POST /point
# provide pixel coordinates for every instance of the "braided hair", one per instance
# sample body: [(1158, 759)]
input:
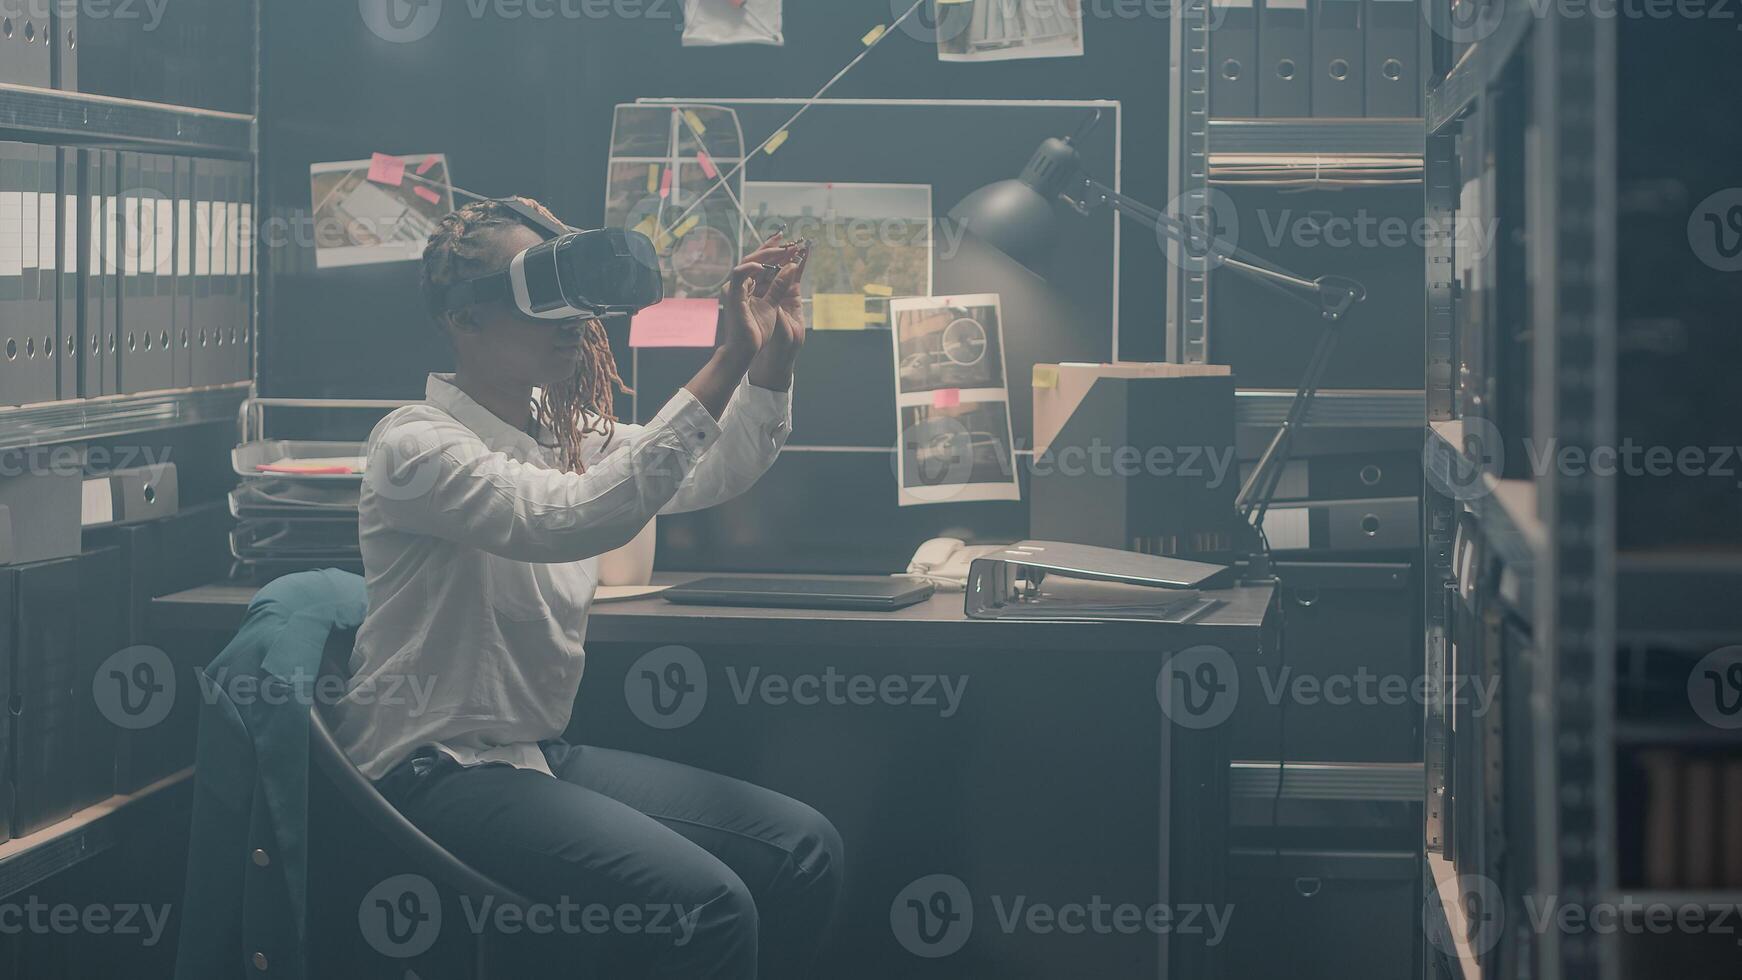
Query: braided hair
[(461, 249)]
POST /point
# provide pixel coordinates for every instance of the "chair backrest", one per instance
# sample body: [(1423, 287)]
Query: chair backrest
[(426, 855)]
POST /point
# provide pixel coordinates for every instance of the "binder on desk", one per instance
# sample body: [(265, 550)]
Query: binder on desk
[(91, 307), (18, 305), (134, 370), (1338, 57), (184, 271), (113, 264), (1234, 59), (63, 26), (202, 371), (41, 220), (25, 55), (1285, 59), (1393, 82), (247, 235), (71, 259)]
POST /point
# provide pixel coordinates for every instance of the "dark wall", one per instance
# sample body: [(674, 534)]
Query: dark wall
[(523, 105)]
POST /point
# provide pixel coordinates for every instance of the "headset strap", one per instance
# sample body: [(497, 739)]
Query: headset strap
[(480, 290)]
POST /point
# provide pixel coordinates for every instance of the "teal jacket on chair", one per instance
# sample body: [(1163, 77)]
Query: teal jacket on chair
[(244, 912)]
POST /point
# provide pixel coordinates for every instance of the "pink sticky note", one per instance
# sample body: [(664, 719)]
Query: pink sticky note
[(384, 169), (707, 163), (428, 162), (427, 194), (946, 398), (675, 323), (665, 183)]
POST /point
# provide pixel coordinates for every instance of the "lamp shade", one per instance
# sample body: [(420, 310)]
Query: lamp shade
[(1012, 217)]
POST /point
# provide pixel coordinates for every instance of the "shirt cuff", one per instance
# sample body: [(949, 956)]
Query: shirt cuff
[(770, 409), (689, 422)]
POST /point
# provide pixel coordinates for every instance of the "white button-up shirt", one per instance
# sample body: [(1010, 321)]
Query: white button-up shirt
[(480, 557)]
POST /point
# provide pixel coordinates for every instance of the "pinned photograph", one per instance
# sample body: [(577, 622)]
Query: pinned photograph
[(948, 342), (1005, 30), (952, 401), (378, 210), (714, 22), (663, 179), (959, 452), (870, 243)]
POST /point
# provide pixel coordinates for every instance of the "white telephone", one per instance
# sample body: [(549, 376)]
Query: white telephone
[(944, 562)]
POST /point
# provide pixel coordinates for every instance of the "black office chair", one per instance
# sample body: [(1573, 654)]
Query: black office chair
[(415, 849)]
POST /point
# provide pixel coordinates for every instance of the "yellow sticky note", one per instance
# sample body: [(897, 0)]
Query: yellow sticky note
[(878, 289), (776, 141), (1046, 376), (688, 225), (838, 311), (695, 121), (649, 226), (871, 37), (653, 178)]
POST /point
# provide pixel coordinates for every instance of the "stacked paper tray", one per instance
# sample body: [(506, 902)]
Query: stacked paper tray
[(299, 460), (294, 500)]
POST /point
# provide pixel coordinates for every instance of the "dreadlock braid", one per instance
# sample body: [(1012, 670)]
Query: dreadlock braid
[(461, 249)]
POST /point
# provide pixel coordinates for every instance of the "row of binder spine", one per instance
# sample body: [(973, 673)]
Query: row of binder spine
[(1327, 58), (122, 272)]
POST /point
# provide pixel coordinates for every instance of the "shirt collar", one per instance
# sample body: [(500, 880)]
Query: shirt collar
[(441, 392)]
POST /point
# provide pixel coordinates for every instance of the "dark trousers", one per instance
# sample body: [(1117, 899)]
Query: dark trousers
[(640, 867)]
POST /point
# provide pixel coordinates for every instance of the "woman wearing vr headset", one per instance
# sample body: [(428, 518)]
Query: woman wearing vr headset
[(483, 512)]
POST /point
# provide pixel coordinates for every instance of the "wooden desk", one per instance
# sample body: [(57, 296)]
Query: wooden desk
[(1052, 778)]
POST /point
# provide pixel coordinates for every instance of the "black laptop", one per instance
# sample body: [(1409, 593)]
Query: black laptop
[(801, 593)]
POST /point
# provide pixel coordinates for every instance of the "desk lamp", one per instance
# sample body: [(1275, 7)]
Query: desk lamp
[(1020, 217)]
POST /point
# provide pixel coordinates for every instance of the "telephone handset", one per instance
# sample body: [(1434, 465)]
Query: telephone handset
[(944, 561)]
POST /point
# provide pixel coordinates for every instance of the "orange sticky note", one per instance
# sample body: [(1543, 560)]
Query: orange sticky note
[(427, 194), (384, 169), (665, 184), (675, 323), (707, 163), (946, 398), (428, 162)]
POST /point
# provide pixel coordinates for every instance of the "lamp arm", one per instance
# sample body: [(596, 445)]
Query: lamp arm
[(1332, 296)]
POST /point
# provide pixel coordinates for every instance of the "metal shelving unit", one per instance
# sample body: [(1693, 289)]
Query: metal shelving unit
[(1294, 137), (49, 116), (118, 415)]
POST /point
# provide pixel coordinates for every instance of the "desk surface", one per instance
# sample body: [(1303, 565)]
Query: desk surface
[(1238, 622)]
